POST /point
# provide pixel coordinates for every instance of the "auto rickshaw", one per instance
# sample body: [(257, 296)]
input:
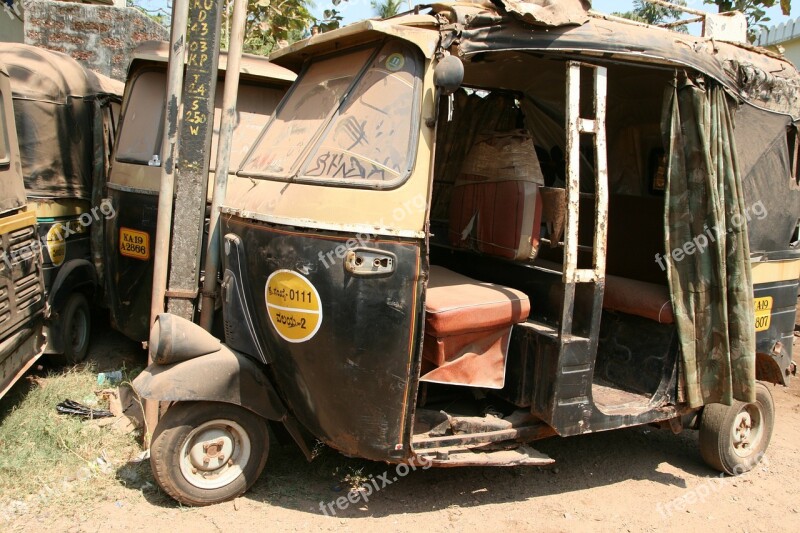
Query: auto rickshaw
[(22, 301), (134, 180), (471, 228), (66, 118)]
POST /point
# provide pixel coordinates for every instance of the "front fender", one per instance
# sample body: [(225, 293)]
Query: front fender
[(223, 376), (72, 275)]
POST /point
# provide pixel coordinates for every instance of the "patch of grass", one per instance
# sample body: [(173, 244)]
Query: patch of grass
[(347, 472), (44, 453)]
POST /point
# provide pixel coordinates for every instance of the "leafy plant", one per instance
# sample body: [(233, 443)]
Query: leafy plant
[(386, 8), (646, 12)]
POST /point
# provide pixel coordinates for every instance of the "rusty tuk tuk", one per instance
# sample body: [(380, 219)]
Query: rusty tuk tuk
[(133, 183), (65, 117), (21, 283), (473, 227)]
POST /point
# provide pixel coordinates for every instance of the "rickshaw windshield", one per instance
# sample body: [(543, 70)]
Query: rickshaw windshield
[(140, 137), (332, 129)]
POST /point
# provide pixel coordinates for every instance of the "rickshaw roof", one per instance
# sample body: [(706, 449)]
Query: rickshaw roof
[(417, 29), (570, 27), (39, 74), (250, 64), (53, 100)]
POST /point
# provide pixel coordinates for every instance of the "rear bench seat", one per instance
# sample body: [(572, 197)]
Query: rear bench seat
[(496, 207), (639, 298), (468, 327), (631, 296)]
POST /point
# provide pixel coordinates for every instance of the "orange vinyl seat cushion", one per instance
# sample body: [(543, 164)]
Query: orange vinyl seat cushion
[(456, 304), (503, 216), (467, 329), (638, 298)]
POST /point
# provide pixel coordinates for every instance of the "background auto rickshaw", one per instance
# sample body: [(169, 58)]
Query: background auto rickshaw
[(447, 243), (22, 301), (133, 183), (66, 119)]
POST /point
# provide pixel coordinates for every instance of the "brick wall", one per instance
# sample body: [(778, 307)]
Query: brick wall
[(100, 37)]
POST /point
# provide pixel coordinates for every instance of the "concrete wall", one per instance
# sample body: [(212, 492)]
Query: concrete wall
[(787, 36), (100, 37), (792, 51)]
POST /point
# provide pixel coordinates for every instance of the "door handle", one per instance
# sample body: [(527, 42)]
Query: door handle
[(369, 262)]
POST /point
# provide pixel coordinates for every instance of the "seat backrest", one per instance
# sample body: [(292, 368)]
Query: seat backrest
[(496, 207)]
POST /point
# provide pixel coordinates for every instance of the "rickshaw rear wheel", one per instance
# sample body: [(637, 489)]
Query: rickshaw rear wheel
[(204, 453), (733, 439)]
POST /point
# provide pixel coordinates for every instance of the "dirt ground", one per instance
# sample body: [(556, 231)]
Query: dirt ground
[(638, 479)]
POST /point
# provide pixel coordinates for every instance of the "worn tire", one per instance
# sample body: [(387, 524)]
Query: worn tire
[(181, 442), (75, 330), (733, 439)]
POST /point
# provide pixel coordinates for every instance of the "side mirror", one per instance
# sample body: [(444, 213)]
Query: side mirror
[(448, 74)]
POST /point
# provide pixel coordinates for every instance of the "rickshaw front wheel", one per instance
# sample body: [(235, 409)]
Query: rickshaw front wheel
[(733, 439), (75, 330), (208, 452)]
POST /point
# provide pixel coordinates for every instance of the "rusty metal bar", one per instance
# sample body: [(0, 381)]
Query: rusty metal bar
[(180, 14), (196, 128), (224, 142), (521, 434), (682, 22), (573, 170), (577, 125), (684, 9), (600, 173)]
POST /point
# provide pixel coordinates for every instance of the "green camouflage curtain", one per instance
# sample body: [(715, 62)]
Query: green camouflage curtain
[(708, 255)]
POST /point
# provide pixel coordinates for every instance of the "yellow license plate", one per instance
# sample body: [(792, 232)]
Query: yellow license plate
[(763, 310), (134, 243)]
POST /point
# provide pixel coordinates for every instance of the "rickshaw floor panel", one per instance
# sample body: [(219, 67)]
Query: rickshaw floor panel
[(522, 455), (613, 399), (431, 423)]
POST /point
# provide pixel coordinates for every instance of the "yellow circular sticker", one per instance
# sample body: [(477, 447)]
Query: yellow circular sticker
[(56, 243), (395, 62), (293, 305)]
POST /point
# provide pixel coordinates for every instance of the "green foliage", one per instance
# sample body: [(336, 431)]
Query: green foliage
[(653, 14), (269, 23), (331, 19), (160, 15), (274, 23), (386, 8)]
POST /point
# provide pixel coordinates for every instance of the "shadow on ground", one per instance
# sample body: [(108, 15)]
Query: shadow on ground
[(582, 462)]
